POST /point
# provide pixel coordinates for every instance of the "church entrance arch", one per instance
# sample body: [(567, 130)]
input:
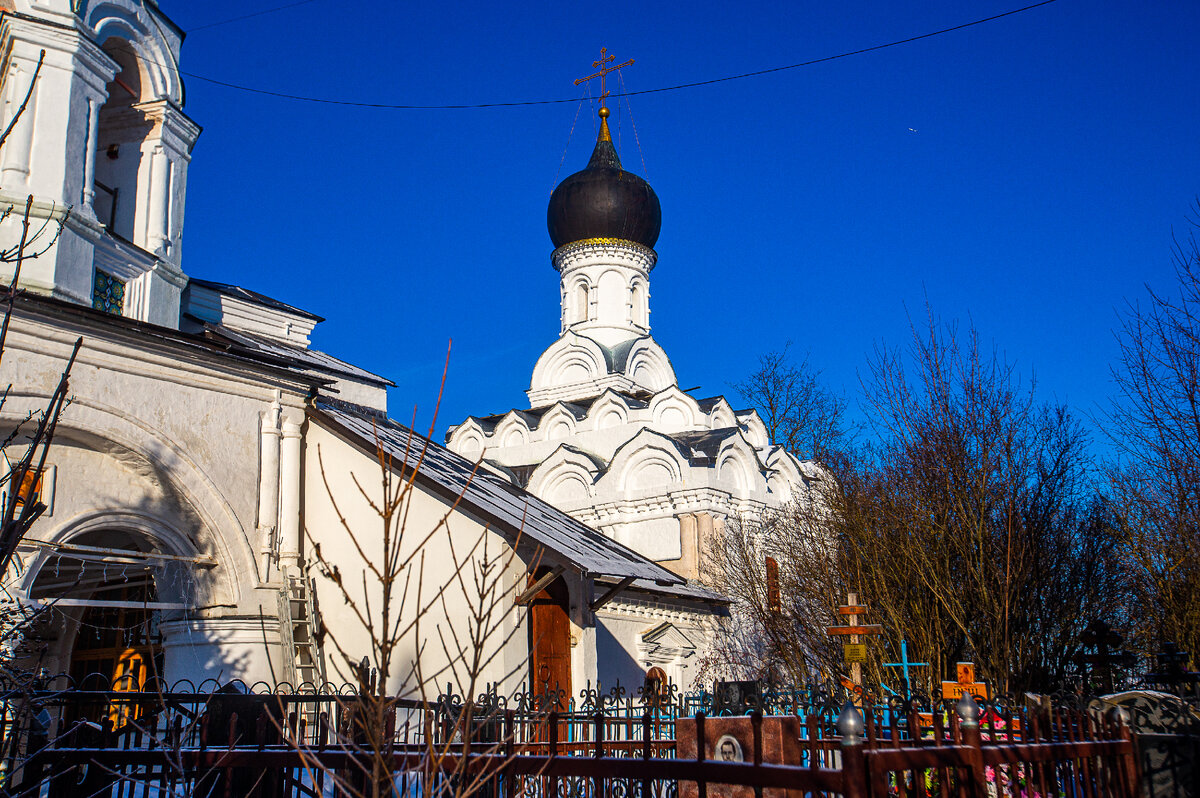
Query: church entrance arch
[(550, 640), (103, 595)]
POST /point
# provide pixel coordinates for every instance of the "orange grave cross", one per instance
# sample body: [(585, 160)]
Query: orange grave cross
[(855, 651), (965, 673)]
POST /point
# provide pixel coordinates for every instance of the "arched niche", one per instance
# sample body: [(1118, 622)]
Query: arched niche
[(754, 429), (150, 35), (674, 411), (558, 423), (647, 462), (470, 445), (578, 307), (512, 431), (566, 476), (648, 365), (105, 584), (570, 360), (608, 412), (731, 473), (612, 292)]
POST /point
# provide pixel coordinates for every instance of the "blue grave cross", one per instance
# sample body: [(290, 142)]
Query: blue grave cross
[(905, 665)]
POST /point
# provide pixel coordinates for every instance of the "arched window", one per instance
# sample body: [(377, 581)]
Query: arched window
[(637, 302), (656, 691), (579, 303), (119, 136), (774, 602)]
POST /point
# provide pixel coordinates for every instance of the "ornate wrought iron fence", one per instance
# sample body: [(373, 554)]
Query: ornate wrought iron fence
[(259, 741)]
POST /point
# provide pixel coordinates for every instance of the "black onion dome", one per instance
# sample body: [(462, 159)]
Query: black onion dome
[(604, 201)]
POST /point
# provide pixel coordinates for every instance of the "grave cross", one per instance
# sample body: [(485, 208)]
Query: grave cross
[(1100, 636), (851, 610), (904, 664), (1172, 668)]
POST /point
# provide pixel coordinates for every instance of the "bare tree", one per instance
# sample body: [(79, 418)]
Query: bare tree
[(782, 573), (968, 523), (800, 413), (1154, 422), (421, 633), (976, 525)]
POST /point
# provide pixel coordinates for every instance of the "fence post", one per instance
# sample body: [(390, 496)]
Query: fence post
[(968, 715), (854, 762), (33, 771), (1129, 767)]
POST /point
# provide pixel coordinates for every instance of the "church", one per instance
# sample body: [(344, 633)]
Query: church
[(609, 437), (214, 508)]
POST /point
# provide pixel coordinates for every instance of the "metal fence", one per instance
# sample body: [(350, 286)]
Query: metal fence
[(61, 740)]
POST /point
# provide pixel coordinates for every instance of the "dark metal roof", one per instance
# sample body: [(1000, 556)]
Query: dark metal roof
[(686, 591), (533, 416), (198, 343), (510, 510), (253, 296), (703, 444), (309, 359)]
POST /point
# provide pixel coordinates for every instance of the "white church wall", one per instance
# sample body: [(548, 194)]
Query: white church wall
[(624, 653), (164, 446), (331, 466)]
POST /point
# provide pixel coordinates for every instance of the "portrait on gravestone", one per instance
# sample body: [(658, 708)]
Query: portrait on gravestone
[(728, 749), (736, 698)]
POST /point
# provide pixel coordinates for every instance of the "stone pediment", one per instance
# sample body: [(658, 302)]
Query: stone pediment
[(664, 642)]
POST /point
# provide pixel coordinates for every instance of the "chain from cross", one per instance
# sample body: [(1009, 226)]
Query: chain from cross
[(604, 69)]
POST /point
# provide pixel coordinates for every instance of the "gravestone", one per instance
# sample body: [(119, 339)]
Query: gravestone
[(1167, 734), (736, 698), (731, 739)]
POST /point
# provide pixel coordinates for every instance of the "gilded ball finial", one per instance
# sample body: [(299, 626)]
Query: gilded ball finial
[(603, 112)]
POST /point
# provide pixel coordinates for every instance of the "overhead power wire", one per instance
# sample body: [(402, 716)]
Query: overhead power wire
[(677, 87)]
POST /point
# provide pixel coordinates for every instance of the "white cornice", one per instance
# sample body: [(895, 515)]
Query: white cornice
[(603, 250)]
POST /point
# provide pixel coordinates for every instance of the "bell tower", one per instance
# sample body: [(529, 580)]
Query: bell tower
[(100, 140)]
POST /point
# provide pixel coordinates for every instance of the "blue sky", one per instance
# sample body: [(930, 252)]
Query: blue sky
[(1026, 175)]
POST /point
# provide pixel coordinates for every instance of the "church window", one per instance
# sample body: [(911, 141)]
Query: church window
[(108, 293), (656, 691), (637, 310), (580, 302), (122, 645)]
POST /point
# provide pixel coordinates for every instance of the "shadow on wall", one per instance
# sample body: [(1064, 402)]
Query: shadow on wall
[(613, 662), (110, 618)]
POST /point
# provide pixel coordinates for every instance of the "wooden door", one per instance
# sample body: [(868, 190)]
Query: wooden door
[(122, 647), (550, 643)]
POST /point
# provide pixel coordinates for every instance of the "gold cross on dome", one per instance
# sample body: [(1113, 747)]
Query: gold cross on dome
[(603, 66)]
